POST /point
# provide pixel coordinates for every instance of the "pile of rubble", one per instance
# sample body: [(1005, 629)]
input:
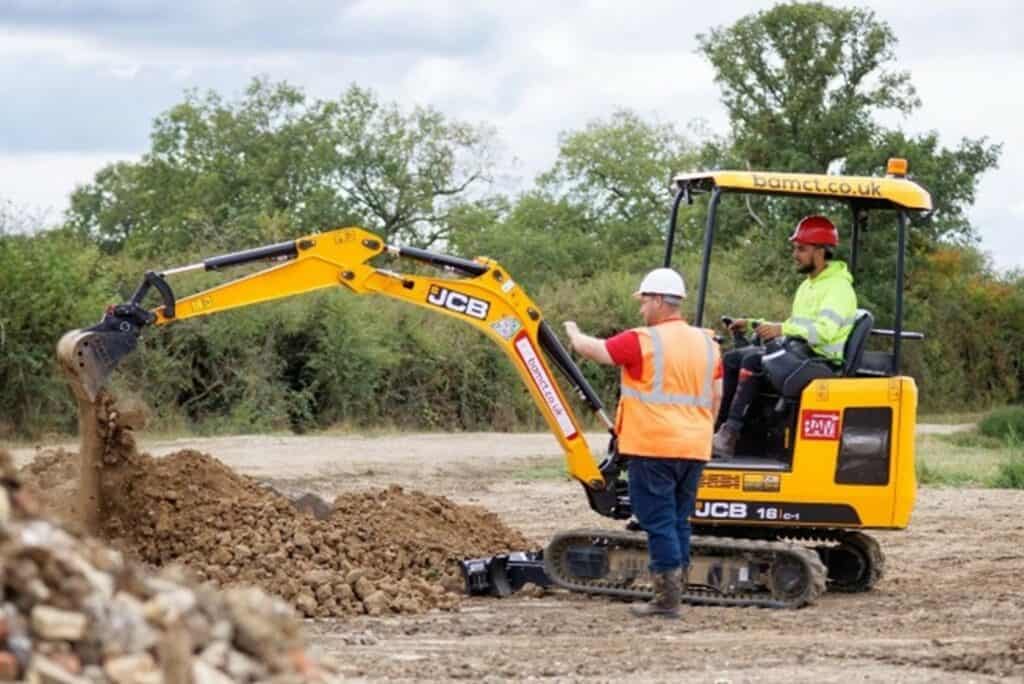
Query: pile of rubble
[(375, 553), (76, 611)]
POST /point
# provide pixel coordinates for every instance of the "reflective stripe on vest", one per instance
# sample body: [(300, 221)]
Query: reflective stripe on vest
[(657, 395)]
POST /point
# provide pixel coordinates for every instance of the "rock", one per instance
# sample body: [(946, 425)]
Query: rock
[(129, 669), (51, 623), (98, 581), (9, 667), (243, 668), (216, 654), (94, 674), (263, 624), (120, 624), (312, 504), (222, 630), (221, 556), (376, 603), (363, 588), (203, 673), (5, 507), (42, 670), (168, 607), (353, 576), (324, 593), (306, 603), (317, 578)]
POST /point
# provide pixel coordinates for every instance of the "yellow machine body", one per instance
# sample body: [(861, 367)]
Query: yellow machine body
[(852, 463)]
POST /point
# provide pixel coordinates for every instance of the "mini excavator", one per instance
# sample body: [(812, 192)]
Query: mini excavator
[(774, 525)]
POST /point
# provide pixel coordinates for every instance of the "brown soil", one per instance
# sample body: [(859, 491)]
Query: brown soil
[(383, 551)]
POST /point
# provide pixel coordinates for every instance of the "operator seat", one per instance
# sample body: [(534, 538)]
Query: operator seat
[(853, 350)]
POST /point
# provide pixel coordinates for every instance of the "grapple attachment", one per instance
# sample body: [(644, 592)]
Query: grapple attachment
[(89, 356)]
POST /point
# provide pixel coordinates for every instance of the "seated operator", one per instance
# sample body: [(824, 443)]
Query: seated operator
[(814, 335)]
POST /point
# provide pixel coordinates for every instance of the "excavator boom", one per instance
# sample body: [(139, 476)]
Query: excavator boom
[(481, 293)]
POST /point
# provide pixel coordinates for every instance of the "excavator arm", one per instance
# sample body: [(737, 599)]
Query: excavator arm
[(480, 293)]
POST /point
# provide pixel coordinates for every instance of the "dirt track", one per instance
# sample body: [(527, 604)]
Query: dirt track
[(951, 607)]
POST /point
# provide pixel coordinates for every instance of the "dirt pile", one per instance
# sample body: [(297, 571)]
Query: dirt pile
[(387, 551), (74, 610)]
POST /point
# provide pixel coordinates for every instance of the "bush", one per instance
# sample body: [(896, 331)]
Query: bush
[(1011, 473), (940, 477), (1005, 424)]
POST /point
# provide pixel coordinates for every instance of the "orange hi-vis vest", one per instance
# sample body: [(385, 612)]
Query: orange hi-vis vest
[(667, 413)]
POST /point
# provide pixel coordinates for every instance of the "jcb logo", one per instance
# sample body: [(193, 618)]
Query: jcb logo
[(720, 509), (458, 302)]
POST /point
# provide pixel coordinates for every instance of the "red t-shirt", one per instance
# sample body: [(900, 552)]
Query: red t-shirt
[(625, 351)]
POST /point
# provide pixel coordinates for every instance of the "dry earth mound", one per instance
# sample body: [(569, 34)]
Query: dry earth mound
[(388, 551)]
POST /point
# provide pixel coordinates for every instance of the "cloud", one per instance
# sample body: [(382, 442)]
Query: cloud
[(324, 26), (84, 80)]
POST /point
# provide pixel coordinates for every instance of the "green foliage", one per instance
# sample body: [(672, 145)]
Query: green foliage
[(1005, 424), (1011, 473), (222, 175), (801, 82), (973, 439), (981, 365), (930, 475), (49, 283), (990, 456)]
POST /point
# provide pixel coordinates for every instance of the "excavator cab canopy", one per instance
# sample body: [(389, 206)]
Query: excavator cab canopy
[(893, 192)]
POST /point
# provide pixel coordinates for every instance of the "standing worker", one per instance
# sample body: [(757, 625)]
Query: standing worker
[(671, 391), (813, 337)]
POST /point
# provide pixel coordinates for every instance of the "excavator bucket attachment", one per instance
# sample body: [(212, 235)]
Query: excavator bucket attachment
[(89, 356)]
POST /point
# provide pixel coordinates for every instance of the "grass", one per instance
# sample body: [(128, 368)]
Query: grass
[(543, 468), (951, 418), (993, 458)]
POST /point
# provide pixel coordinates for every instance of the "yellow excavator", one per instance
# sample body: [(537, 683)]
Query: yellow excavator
[(774, 524)]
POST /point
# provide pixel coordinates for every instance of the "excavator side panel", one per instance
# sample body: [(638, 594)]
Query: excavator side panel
[(852, 466)]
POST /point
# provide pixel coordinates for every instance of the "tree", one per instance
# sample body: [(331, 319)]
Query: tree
[(803, 84), (224, 175), (601, 206), (618, 172)]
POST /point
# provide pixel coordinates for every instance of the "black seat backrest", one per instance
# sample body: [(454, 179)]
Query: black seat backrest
[(853, 350)]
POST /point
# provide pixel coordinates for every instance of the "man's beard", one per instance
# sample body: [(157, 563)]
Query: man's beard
[(804, 269)]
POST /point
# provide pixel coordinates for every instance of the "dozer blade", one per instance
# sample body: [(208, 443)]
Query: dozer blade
[(89, 356)]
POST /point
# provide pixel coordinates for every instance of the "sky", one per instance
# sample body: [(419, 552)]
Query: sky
[(82, 80)]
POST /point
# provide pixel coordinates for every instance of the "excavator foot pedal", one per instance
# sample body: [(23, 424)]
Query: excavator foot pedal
[(504, 574)]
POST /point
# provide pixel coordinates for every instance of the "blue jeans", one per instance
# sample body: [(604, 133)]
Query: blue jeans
[(663, 493)]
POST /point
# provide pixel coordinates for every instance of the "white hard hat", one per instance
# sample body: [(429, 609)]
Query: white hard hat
[(663, 281)]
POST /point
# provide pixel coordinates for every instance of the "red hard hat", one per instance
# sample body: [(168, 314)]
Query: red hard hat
[(815, 230)]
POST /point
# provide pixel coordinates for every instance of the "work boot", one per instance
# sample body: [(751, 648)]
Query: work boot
[(724, 443), (667, 587)]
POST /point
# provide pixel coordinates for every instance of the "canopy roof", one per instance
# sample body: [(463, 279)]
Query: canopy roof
[(885, 192)]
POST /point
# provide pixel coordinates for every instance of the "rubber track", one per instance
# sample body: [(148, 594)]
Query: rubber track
[(699, 546), (868, 546)]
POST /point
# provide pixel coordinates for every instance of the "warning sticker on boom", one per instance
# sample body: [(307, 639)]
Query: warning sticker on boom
[(528, 353)]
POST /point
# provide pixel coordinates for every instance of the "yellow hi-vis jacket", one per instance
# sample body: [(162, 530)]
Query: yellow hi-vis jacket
[(824, 311), (667, 413)]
